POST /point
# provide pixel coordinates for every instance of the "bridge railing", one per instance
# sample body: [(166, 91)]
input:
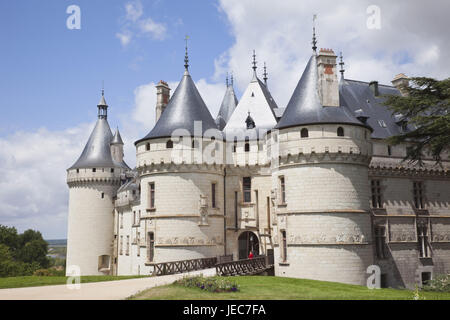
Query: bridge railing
[(182, 266), (243, 267)]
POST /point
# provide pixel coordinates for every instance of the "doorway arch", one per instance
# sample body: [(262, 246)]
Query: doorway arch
[(247, 241)]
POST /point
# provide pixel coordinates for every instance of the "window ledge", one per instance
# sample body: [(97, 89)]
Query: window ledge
[(282, 205), (150, 209), (284, 263)]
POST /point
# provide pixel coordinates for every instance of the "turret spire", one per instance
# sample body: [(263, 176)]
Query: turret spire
[(227, 79), (314, 40), (254, 64), (232, 79), (102, 106), (341, 63), (186, 57), (265, 74)]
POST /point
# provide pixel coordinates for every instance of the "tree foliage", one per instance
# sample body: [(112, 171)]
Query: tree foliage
[(21, 254), (426, 108)]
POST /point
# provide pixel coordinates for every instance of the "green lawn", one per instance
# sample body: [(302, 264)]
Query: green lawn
[(264, 287), (34, 281)]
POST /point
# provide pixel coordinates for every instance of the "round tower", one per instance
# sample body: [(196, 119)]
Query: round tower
[(181, 189), (320, 183), (93, 181)]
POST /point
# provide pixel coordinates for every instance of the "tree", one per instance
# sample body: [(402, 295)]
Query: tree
[(426, 108)]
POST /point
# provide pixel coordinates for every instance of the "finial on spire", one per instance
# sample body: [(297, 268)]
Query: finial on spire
[(265, 74), (103, 88), (232, 79), (254, 61), (341, 63), (186, 57), (227, 79), (314, 40)]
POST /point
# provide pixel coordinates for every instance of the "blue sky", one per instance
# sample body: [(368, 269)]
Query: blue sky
[(51, 77)]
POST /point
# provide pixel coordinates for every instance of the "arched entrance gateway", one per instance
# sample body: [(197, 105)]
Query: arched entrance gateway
[(248, 241)]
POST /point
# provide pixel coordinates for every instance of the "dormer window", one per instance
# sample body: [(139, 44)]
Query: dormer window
[(94, 169), (169, 144)]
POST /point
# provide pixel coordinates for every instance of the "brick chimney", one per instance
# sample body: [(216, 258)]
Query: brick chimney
[(162, 97), (401, 82), (328, 80)]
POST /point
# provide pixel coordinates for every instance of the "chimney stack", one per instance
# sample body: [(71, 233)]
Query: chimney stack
[(328, 81), (162, 98), (401, 82), (373, 85)]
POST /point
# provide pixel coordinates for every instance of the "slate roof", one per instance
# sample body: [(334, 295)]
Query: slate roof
[(305, 107), (227, 107), (184, 107), (357, 95)]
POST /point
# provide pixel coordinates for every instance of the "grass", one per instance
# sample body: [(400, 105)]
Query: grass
[(272, 288), (34, 281)]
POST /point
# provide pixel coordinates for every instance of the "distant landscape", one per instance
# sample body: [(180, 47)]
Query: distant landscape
[(57, 242)]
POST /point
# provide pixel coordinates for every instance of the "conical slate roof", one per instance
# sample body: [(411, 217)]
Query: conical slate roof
[(184, 107), (117, 139), (97, 152), (305, 106), (227, 107)]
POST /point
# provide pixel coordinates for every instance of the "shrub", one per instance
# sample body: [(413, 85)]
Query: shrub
[(212, 284), (440, 283)]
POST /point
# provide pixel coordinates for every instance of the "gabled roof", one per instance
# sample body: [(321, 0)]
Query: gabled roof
[(305, 106), (357, 95), (259, 102), (227, 107), (184, 107)]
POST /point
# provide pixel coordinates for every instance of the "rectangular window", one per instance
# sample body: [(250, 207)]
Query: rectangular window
[(213, 195), (121, 220), (247, 185), (376, 194), (283, 246), (128, 246), (151, 246), (94, 169), (121, 245), (380, 242), (138, 242), (282, 190), (422, 233), (418, 194), (236, 209), (134, 217), (152, 194)]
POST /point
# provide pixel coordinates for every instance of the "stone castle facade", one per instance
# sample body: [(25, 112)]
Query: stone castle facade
[(315, 184)]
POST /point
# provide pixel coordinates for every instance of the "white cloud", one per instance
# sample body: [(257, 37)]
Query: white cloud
[(150, 27), (33, 190), (281, 34), (124, 37), (135, 25)]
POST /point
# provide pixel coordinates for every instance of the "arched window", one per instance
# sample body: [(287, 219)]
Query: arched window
[(169, 144), (304, 133), (340, 132), (234, 144), (147, 146), (247, 145)]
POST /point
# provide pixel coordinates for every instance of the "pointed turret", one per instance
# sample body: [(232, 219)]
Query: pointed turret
[(117, 139), (97, 152), (184, 108), (227, 107), (305, 106)]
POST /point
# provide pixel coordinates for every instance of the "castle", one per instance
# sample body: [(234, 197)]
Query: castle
[(314, 183)]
